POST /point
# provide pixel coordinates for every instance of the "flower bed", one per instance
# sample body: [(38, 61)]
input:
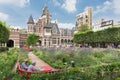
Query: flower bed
[(7, 61), (86, 57), (98, 64)]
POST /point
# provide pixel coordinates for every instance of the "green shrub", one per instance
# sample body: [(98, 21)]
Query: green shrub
[(2, 49), (8, 60)]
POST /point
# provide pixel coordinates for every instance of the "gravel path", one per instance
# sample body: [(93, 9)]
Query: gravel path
[(38, 61), (34, 58)]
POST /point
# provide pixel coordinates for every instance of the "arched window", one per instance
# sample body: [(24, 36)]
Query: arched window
[(10, 43)]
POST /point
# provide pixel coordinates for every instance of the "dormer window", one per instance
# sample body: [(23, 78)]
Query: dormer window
[(48, 30)]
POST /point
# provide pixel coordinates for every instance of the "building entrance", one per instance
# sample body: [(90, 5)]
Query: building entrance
[(10, 43)]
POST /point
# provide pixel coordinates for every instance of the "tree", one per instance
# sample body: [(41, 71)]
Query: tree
[(110, 35), (32, 39), (83, 28), (4, 32)]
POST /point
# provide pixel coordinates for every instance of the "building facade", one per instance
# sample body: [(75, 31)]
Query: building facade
[(84, 18), (103, 24), (50, 34), (16, 38)]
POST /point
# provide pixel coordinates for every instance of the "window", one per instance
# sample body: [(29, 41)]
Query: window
[(48, 30), (54, 40), (54, 30)]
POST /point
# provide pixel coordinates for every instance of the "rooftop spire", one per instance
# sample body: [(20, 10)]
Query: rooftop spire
[(45, 10), (30, 20)]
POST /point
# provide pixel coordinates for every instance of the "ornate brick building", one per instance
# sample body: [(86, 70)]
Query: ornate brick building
[(17, 38), (50, 34)]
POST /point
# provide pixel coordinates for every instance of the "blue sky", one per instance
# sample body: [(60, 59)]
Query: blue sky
[(17, 12)]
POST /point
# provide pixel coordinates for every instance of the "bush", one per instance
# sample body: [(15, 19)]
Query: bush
[(2, 49), (7, 62)]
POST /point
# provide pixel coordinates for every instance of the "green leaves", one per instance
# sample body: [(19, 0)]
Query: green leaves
[(7, 61), (32, 39), (4, 32), (110, 35), (83, 28)]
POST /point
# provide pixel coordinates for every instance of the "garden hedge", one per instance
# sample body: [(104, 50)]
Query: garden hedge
[(110, 35)]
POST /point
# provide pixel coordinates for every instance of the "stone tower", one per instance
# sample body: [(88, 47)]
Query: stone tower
[(46, 16), (30, 24)]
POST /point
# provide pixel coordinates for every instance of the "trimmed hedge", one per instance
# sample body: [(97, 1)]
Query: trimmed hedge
[(110, 35), (2, 49)]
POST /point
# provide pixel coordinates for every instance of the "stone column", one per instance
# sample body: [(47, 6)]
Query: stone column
[(50, 42), (5, 44), (47, 42), (57, 41), (42, 42)]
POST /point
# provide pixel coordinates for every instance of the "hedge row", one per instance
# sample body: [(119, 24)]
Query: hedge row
[(110, 35), (2, 49)]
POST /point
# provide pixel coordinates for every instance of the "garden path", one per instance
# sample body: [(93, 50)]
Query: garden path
[(38, 61)]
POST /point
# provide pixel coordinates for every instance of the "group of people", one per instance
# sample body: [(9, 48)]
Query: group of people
[(30, 68)]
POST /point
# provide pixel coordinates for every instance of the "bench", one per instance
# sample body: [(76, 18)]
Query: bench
[(24, 72), (28, 74)]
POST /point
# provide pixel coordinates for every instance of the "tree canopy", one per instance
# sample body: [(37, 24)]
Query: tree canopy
[(4, 32), (83, 28), (110, 35), (32, 39)]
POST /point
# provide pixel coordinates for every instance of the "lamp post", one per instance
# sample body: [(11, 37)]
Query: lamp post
[(72, 64)]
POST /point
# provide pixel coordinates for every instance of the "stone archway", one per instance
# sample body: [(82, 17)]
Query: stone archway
[(65, 41), (62, 41), (69, 42), (10, 43), (40, 43)]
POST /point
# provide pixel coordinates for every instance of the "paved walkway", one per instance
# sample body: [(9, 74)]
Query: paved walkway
[(38, 61)]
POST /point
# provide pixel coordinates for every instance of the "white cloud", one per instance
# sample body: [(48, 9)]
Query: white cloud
[(103, 8), (116, 4), (4, 16), (54, 21), (56, 3), (88, 8), (69, 5), (66, 25), (107, 6), (19, 3), (15, 27), (108, 10)]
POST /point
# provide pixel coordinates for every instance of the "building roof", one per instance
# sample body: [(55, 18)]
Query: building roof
[(56, 26), (30, 20), (52, 25), (45, 11), (66, 31)]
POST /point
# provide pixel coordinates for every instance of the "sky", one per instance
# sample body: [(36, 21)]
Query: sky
[(16, 12)]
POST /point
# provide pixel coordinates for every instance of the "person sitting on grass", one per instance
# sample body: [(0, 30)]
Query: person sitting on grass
[(24, 65), (32, 68)]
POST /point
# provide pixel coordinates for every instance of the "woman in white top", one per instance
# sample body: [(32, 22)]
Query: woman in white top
[(31, 68)]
